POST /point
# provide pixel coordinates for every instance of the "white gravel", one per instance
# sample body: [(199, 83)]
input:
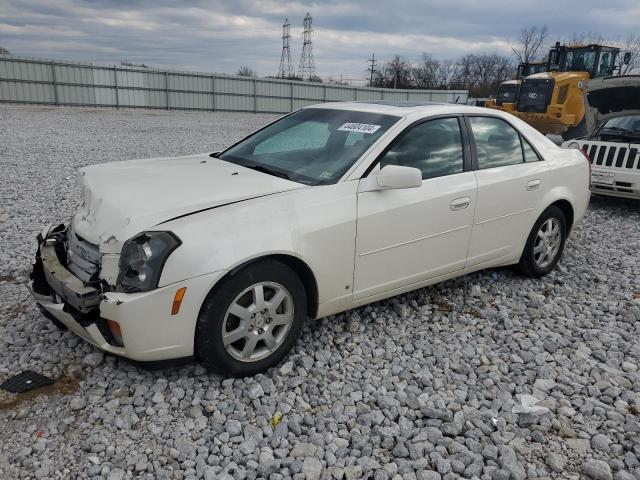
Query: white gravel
[(422, 386)]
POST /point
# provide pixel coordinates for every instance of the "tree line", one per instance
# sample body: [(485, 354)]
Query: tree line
[(479, 73), (482, 73)]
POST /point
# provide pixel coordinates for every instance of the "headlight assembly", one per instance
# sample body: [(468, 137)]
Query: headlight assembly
[(142, 260)]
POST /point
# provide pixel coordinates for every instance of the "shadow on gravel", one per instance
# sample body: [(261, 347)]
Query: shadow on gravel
[(604, 203), (65, 385)]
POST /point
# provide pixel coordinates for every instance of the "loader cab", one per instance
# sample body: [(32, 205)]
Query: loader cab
[(596, 60), (531, 68)]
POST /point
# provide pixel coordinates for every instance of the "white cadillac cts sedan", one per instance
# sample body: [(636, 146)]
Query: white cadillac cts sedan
[(222, 256)]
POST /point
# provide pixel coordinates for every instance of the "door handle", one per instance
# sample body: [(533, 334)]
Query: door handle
[(533, 185), (460, 203)]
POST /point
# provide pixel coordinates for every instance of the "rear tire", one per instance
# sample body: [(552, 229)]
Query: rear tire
[(251, 320), (545, 243)]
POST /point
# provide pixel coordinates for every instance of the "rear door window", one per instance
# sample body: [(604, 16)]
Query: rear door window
[(497, 142)]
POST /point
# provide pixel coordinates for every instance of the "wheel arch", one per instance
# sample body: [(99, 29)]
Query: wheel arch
[(567, 209), (300, 268)]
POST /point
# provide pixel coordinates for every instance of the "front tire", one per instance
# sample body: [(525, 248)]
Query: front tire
[(251, 320), (545, 243)]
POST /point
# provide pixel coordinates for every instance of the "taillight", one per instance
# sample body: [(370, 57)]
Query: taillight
[(586, 156)]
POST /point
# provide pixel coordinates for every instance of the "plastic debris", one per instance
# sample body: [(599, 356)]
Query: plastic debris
[(25, 381), (528, 404)]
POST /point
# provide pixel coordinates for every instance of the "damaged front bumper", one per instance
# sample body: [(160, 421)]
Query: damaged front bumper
[(145, 329)]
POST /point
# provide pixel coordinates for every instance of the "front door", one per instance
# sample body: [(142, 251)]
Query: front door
[(406, 236)]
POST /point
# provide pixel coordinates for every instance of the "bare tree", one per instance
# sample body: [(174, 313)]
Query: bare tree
[(4, 51), (396, 73), (425, 73), (246, 71), (531, 39), (481, 74), (631, 45), (399, 71), (446, 74), (465, 75), (578, 39)]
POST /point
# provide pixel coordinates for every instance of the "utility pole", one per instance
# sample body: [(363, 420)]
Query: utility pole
[(372, 69)]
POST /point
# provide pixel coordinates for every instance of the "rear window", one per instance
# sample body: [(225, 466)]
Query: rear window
[(535, 95), (507, 94)]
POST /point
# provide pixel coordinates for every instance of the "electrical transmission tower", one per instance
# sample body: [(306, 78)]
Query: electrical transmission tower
[(307, 68), (285, 60)]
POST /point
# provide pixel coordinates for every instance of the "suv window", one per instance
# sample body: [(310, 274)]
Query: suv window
[(497, 142), (435, 147)]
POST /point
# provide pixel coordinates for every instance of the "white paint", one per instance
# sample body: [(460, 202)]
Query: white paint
[(362, 244)]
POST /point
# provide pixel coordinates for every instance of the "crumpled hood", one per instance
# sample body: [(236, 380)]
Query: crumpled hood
[(122, 199), (610, 97)]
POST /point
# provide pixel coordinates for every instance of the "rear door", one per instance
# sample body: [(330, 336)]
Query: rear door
[(406, 236), (512, 181)]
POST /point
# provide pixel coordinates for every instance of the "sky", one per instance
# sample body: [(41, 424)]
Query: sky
[(222, 35)]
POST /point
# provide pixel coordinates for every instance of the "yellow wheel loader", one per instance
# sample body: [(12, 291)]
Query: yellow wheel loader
[(553, 101), (508, 90)]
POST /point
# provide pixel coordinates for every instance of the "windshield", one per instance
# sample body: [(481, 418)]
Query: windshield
[(537, 68), (581, 60), (606, 63), (629, 123), (313, 146)]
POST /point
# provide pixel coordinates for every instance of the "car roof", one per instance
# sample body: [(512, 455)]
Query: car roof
[(406, 108)]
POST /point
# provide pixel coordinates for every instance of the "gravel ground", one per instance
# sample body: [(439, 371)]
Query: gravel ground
[(432, 384)]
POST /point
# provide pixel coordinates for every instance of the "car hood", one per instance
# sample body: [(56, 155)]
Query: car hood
[(610, 97), (122, 199)]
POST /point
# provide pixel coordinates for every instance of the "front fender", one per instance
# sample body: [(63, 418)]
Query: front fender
[(316, 225)]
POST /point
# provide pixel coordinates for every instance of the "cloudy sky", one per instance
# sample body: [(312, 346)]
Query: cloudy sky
[(220, 36)]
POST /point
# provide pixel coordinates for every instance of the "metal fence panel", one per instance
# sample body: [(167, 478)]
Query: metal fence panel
[(339, 94), (395, 95), (105, 96), (35, 80), (366, 94), (103, 76), (72, 94), (311, 91), (270, 88)]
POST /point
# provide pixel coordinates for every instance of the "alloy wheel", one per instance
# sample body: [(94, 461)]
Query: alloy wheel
[(547, 243), (257, 321)]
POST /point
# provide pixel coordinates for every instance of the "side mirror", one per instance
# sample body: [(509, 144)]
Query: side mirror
[(392, 177), (627, 58)]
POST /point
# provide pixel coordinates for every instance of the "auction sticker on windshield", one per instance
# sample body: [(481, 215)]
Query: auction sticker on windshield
[(602, 178), (359, 128)]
